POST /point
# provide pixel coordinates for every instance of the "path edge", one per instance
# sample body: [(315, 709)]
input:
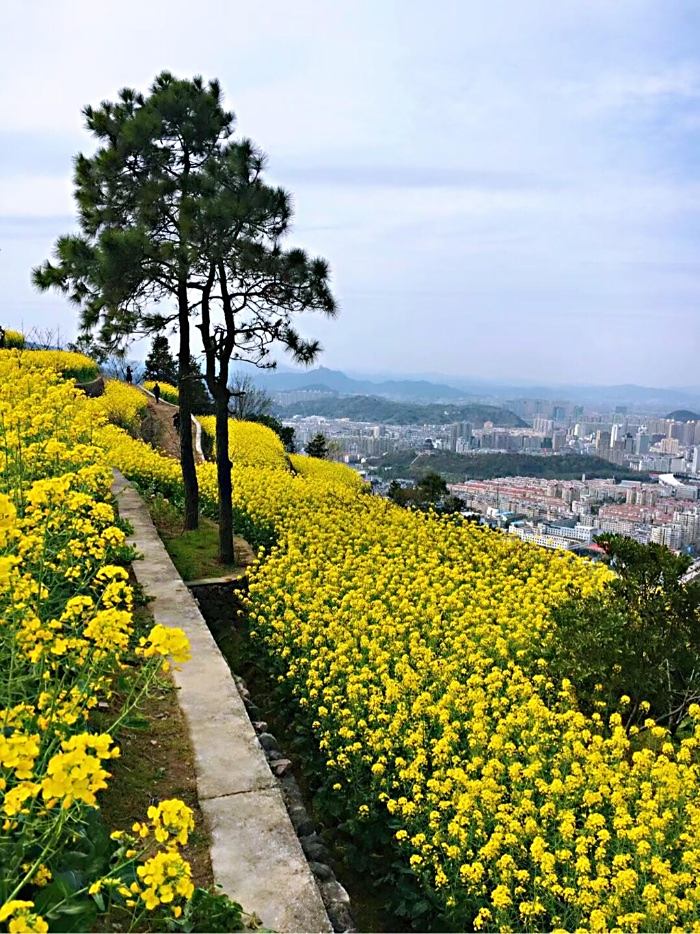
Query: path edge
[(255, 853)]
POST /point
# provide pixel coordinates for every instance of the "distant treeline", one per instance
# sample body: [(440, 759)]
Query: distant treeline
[(389, 412), (458, 467)]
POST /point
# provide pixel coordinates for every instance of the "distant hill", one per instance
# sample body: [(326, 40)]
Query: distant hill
[(435, 387), (403, 390), (389, 412), (456, 468), (683, 415)]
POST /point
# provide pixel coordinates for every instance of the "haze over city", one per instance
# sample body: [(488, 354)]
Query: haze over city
[(504, 191)]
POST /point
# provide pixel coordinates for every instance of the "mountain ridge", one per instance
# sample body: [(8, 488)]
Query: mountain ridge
[(376, 409), (455, 389)]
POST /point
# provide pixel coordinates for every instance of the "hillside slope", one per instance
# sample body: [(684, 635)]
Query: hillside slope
[(375, 409)]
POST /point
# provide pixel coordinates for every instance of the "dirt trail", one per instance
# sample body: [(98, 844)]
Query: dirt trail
[(159, 430)]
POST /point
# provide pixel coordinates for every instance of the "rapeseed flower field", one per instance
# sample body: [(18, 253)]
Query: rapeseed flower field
[(410, 648), (67, 639), (250, 444)]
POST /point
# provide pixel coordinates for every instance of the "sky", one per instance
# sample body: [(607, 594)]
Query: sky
[(503, 190)]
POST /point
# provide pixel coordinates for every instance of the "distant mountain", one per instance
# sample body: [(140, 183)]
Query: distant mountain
[(683, 415), (391, 412), (648, 398), (403, 390), (441, 388)]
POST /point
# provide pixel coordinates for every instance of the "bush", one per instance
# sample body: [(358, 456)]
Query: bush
[(67, 364), (639, 638)]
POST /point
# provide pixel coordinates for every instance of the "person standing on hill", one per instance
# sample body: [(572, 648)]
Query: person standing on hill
[(129, 375), (156, 393)]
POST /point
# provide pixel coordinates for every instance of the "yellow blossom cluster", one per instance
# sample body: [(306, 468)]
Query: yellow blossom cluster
[(249, 444), (167, 392), (330, 471), (413, 643), (67, 628), (19, 917), (65, 363), (122, 404), (162, 877)]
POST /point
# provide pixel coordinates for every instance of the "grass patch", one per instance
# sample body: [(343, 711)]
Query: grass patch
[(156, 763), (195, 553)]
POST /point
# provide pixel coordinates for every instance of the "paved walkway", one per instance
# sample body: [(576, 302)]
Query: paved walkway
[(256, 856)]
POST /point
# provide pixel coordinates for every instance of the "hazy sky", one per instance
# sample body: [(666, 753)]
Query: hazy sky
[(502, 188)]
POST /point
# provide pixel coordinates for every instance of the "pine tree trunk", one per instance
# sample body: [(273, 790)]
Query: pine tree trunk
[(189, 472), (223, 476)]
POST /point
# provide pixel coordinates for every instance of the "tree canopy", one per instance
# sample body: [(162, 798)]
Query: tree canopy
[(177, 223)]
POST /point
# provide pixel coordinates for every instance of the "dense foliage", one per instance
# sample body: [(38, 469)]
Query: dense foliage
[(378, 409), (160, 364), (430, 492), (317, 447), (69, 647), (456, 468), (13, 338), (638, 638)]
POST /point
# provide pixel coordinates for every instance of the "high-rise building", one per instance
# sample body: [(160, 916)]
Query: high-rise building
[(602, 443), (543, 426), (558, 439), (669, 446), (642, 442), (695, 463)]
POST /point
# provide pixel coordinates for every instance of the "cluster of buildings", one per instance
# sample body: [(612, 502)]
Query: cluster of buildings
[(651, 445), (356, 440), (571, 513), (648, 445), (558, 513)]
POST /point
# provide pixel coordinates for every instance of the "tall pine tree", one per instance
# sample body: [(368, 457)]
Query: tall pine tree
[(160, 364), (137, 196)]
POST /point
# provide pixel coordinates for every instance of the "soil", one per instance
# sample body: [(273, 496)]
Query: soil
[(158, 429)]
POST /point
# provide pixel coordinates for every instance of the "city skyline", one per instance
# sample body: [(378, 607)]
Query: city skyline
[(506, 193)]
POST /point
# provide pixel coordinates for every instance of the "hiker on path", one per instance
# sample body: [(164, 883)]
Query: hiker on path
[(129, 375), (156, 393), (176, 422)]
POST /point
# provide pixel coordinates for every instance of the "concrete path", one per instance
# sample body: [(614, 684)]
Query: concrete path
[(256, 856)]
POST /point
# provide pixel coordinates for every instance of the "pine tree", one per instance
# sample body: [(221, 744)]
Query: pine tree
[(161, 365), (317, 447), (176, 216), (136, 249)]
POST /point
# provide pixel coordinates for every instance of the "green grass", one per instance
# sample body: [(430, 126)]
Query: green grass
[(194, 553)]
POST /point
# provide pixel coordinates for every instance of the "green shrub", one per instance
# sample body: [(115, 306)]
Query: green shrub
[(639, 638)]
